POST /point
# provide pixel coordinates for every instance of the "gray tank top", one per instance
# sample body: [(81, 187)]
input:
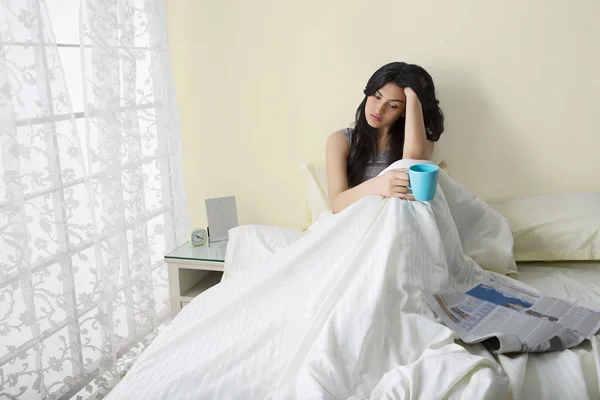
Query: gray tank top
[(381, 161)]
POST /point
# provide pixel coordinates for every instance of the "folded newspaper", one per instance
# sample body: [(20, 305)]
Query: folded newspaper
[(508, 318)]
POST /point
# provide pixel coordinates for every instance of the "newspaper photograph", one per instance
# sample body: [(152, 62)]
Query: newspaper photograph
[(508, 318)]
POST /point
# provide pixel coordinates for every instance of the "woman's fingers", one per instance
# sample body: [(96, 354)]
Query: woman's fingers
[(400, 174), (400, 182), (400, 190), (406, 196)]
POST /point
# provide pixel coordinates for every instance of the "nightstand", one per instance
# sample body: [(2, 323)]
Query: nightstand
[(192, 270)]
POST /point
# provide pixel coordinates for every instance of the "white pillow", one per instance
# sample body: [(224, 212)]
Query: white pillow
[(316, 191), (317, 201), (554, 227)]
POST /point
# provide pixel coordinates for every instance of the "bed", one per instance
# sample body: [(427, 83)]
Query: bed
[(334, 312)]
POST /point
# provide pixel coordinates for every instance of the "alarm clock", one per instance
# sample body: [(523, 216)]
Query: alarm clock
[(198, 237)]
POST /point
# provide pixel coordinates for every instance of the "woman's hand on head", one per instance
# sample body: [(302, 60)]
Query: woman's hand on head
[(393, 184), (410, 94)]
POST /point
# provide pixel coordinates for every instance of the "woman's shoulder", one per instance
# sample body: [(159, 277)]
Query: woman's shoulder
[(340, 139), (345, 133), (348, 134)]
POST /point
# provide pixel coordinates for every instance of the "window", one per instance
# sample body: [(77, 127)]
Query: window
[(97, 194)]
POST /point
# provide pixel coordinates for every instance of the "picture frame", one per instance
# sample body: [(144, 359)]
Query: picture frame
[(221, 214)]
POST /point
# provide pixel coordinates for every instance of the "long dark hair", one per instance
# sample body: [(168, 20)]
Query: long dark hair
[(363, 146)]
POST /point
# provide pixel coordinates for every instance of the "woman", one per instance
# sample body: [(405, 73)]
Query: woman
[(398, 118)]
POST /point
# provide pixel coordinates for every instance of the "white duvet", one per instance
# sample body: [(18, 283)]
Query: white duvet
[(335, 312)]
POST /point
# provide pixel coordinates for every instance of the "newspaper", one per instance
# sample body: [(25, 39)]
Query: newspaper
[(508, 318)]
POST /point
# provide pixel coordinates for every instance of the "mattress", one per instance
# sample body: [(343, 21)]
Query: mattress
[(574, 281), (572, 373)]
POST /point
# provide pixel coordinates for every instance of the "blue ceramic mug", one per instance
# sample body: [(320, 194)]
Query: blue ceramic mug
[(423, 181)]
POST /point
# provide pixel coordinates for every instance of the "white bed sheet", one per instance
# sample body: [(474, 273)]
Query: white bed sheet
[(337, 315)]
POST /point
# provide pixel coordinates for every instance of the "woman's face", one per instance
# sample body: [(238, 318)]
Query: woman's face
[(385, 106)]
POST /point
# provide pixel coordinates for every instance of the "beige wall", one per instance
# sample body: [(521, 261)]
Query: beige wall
[(262, 83)]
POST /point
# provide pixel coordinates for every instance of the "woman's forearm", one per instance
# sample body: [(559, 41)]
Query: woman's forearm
[(416, 145), (350, 196)]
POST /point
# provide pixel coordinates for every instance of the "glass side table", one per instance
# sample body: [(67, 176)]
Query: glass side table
[(192, 270)]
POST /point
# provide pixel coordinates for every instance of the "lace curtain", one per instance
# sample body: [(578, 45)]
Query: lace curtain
[(91, 191)]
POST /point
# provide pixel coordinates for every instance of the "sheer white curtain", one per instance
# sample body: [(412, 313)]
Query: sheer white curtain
[(91, 191)]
